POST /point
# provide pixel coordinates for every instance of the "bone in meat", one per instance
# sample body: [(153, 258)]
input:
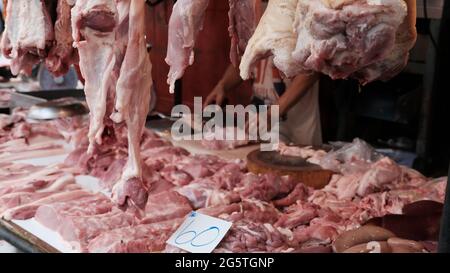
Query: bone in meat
[(132, 104)]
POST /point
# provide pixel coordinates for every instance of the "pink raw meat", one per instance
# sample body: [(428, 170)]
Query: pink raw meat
[(80, 230), (166, 206), (185, 23), (136, 239)]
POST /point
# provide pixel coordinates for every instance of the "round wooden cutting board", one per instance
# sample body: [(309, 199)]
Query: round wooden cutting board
[(312, 175)]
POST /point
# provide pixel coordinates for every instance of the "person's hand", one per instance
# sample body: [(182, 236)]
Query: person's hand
[(217, 96)]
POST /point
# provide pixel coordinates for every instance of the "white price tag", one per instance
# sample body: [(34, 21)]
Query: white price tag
[(199, 233)]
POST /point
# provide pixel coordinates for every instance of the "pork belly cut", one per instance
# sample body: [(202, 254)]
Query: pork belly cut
[(54, 215), (28, 211), (12, 200), (80, 230), (40, 179), (31, 151), (137, 239), (10, 170)]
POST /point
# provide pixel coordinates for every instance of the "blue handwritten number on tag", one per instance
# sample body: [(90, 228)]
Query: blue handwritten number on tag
[(184, 232)]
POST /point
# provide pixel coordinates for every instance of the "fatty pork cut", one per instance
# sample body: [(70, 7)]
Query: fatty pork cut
[(243, 16), (27, 45), (110, 37), (362, 39), (185, 23), (273, 36)]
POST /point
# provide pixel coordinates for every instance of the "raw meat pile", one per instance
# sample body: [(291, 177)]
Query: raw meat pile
[(20, 139), (269, 213), (160, 183), (23, 187), (362, 39)]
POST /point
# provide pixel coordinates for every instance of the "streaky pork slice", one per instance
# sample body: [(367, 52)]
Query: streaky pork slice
[(28, 211), (16, 199), (53, 215)]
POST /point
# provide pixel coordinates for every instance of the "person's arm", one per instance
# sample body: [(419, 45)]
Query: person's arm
[(229, 81), (299, 86), (410, 21)]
